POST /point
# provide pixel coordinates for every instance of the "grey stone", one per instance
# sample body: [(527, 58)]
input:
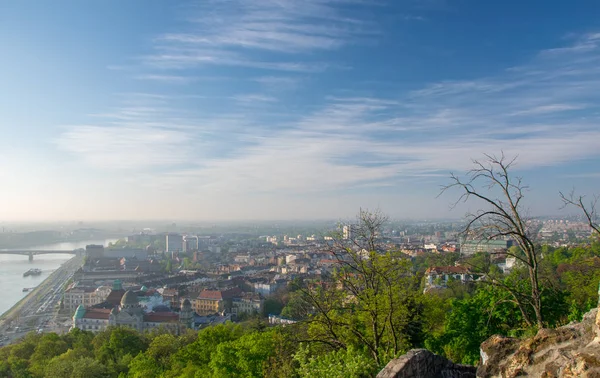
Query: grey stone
[(421, 363)]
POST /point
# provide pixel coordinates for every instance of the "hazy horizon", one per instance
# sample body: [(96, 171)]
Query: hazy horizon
[(224, 111)]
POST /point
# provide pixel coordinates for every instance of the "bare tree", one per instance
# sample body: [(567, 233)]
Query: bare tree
[(491, 184), (589, 210)]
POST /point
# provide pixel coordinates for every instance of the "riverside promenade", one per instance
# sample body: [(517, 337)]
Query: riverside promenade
[(38, 309)]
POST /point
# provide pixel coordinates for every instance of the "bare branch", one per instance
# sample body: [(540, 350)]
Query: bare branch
[(490, 183), (589, 210)]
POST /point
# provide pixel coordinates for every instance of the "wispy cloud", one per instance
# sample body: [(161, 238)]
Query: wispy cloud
[(233, 32), (552, 108), (284, 25), (170, 79), (583, 43), (583, 175), (127, 147), (254, 98), (351, 141)]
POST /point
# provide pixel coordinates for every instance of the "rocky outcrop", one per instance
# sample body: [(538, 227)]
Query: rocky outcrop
[(569, 351), (566, 352), (421, 363)]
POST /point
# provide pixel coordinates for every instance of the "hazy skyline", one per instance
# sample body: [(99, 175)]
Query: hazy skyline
[(286, 109)]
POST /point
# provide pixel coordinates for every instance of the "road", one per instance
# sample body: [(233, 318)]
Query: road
[(39, 310)]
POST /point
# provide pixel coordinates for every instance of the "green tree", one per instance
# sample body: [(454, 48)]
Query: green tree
[(62, 366), (272, 306), (50, 345), (244, 357), (343, 363), (471, 321), (197, 355), (115, 343), (371, 300), (144, 366), (87, 367)]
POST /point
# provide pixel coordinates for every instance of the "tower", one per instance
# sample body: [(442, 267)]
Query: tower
[(186, 316), (131, 313)]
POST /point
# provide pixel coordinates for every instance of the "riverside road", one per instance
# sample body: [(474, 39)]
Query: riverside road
[(38, 310)]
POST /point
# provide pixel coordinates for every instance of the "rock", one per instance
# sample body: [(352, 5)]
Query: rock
[(569, 351), (421, 363)]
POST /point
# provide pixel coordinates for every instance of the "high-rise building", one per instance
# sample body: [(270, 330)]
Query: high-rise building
[(347, 232), (174, 243), (94, 251), (190, 243)]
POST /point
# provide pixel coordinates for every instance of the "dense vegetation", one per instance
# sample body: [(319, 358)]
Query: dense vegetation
[(343, 333)]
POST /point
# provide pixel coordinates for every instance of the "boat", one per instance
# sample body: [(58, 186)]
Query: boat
[(32, 272), (26, 289)]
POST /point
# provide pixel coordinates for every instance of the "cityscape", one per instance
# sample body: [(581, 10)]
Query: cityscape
[(299, 189), (184, 280)]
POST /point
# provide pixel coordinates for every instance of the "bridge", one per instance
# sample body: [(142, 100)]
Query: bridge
[(32, 253)]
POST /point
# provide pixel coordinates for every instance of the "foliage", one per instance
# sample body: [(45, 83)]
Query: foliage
[(272, 306), (472, 320), (342, 363), (371, 301)]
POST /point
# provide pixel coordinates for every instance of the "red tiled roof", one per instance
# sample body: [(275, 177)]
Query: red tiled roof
[(97, 313), (210, 294), (220, 294), (161, 317)]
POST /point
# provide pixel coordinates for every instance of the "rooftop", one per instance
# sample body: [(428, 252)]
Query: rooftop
[(161, 317), (96, 313)]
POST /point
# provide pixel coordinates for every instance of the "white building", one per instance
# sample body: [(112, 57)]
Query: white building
[(274, 319), (347, 232), (131, 314), (248, 303), (84, 295), (266, 289), (438, 276)]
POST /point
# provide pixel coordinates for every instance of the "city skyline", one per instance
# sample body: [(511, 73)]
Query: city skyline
[(256, 110)]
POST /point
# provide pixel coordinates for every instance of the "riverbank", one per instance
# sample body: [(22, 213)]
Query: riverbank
[(39, 306)]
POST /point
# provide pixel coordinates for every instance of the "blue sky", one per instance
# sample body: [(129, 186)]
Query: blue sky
[(285, 109)]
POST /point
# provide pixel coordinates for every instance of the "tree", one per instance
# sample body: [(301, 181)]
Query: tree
[(343, 363), (472, 320), (244, 357), (115, 343), (200, 352), (491, 184), (49, 346), (589, 210), (272, 306), (371, 300), (89, 368)]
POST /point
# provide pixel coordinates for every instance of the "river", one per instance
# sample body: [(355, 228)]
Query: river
[(12, 268)]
